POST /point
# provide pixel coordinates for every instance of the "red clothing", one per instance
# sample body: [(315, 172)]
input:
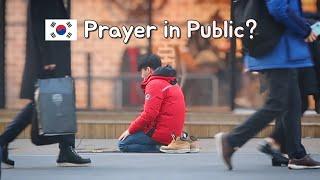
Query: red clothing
[(164, 109)]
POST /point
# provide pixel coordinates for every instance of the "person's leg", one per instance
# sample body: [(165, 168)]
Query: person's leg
[(317, 102), (278, 132), (275, 145), (279, 135), (68, 157), (292, 125), (275, 105), (305, 83), (292, 120), (309, 85), (18, 124), (304, 103), (140, 143), (67, 141)]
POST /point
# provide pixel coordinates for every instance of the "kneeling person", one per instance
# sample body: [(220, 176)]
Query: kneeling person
[(164, 109)]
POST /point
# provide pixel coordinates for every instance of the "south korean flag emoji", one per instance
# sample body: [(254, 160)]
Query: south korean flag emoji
[(61, 30)]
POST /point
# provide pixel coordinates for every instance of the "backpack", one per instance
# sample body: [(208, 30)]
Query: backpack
[(267, 33)]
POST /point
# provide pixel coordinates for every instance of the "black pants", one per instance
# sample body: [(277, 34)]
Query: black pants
[(308, 85), (22, 120), (279, 136), (283, 101)]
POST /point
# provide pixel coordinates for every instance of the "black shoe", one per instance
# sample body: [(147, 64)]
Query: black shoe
[(6, 163), (68, 157), (278, 159), (279, 162)]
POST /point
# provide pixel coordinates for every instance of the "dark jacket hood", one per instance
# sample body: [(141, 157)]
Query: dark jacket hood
[(166, 73)]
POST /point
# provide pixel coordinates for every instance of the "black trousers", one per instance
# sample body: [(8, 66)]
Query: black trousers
[(279, 136), (283, 101), (308, 85), (22, 120)]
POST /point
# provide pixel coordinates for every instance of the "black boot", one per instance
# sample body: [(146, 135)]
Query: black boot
[(68, 157), (6, 163), (278, 159)]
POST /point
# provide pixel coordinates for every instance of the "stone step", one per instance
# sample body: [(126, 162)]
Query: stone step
[(102, 125)]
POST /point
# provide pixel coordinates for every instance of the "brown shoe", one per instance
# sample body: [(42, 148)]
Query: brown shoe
[(194, 145), (225, 151), (304, 163), (177, 146)]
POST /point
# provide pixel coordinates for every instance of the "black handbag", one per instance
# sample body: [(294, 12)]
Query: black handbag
[(55, 106), (267, 33)]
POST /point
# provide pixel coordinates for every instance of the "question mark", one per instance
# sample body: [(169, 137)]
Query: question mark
[(254, 25)]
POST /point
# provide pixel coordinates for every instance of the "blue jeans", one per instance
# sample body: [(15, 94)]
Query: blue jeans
[(139, 143)]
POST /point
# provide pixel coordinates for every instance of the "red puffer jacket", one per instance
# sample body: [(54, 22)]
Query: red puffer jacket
[(164, 107)]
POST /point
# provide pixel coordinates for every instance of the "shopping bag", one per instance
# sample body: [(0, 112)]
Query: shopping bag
[(55, 106)]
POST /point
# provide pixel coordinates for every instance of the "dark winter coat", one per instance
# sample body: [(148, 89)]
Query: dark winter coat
[(40, 52)]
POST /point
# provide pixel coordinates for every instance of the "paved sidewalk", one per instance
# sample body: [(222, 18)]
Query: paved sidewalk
[(38, 163), (25, 147)]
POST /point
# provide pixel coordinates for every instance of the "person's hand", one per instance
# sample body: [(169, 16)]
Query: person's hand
[(311, 38), (49, 67), (124, 135)]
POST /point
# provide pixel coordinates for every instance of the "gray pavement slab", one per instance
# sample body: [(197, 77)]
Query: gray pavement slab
[(38, 163)]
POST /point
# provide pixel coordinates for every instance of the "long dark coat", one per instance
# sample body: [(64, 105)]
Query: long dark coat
[(40, 52)]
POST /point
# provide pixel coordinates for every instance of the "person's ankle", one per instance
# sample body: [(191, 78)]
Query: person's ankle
[(63, 148), (231, 143)]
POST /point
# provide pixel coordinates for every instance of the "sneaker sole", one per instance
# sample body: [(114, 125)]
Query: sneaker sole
[(194, 150), (180, 151), (72, 165), (6, 166), (297, 167)]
